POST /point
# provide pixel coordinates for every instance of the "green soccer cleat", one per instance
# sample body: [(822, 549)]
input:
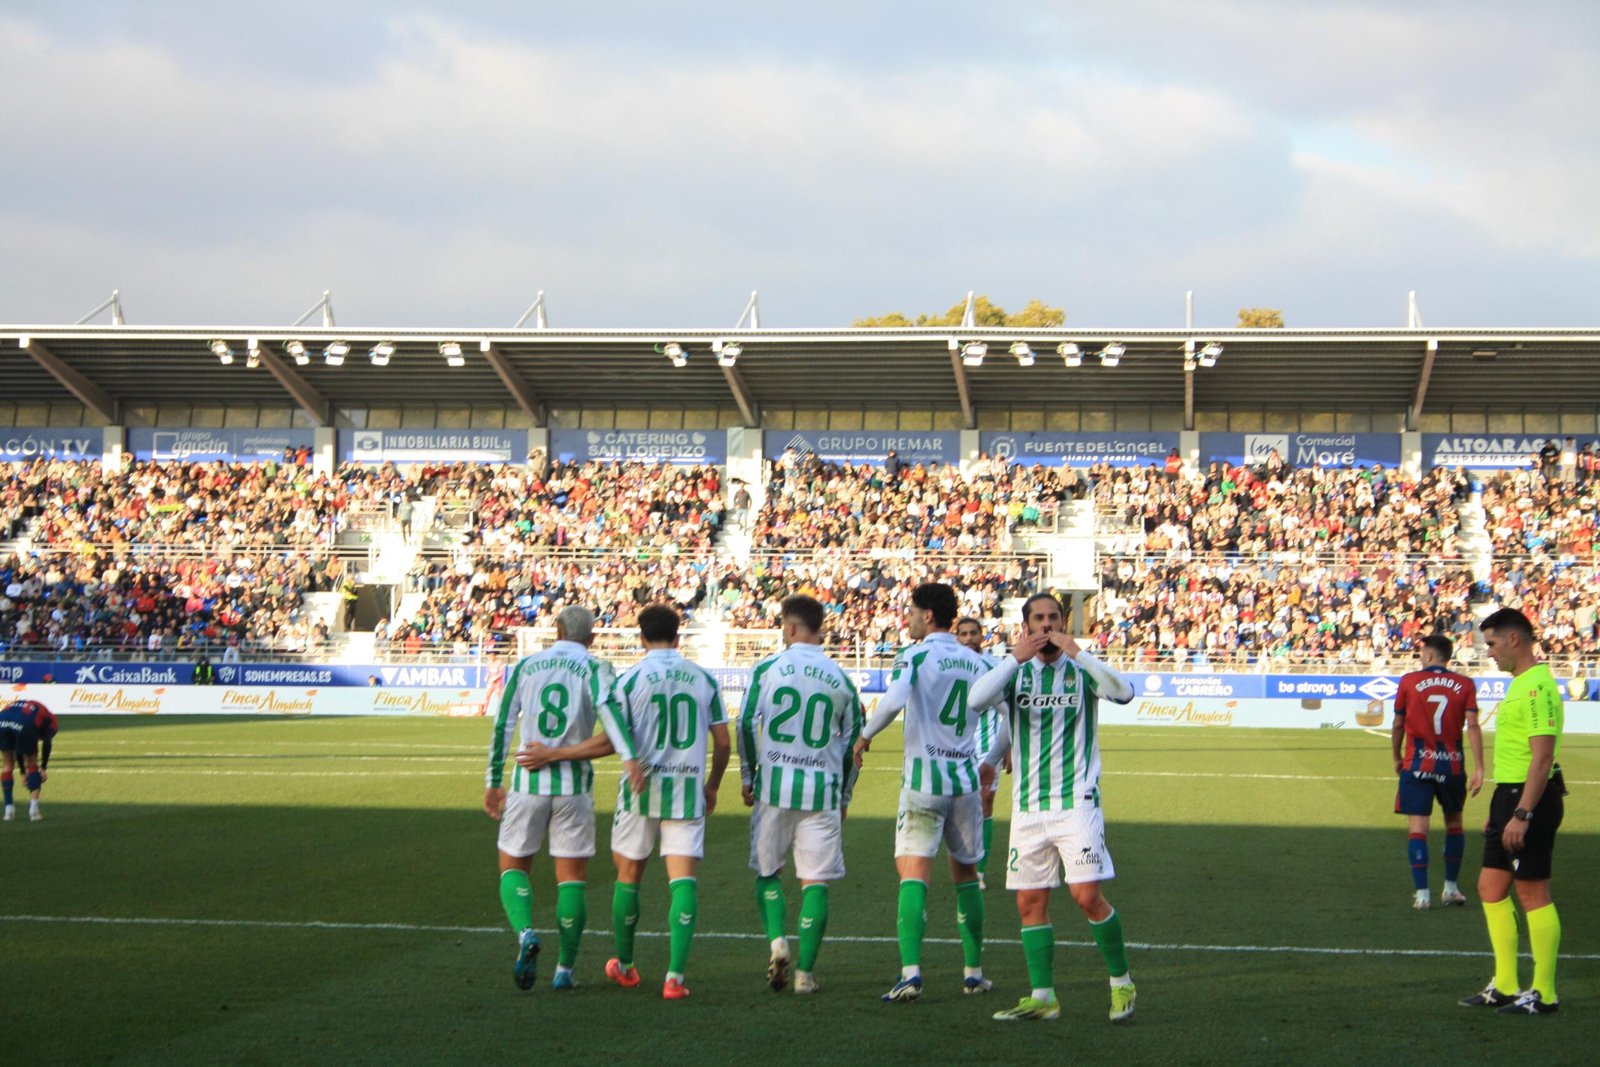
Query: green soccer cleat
[(526, 971), (1122, 997), (1030, 1009)]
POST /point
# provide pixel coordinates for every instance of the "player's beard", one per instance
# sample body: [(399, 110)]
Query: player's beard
[(1052, 651)]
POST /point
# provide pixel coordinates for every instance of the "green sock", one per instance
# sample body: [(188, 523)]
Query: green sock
[(625, 919), (1501, 918), (813, 924), (1108, 935), (771, 905), (1544, 934), (516, 897), (988, 845), (572, 915), (969, 917), (685, 910), (911, 920), (1039, 947)]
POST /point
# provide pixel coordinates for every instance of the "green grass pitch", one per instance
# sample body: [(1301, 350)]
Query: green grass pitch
[(297, 891)]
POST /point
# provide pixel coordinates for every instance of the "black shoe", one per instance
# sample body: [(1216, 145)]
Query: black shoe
[(1489, 998), (1529, 1003)]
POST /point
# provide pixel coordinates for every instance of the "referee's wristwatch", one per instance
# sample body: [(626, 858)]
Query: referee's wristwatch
[(1522, 815)]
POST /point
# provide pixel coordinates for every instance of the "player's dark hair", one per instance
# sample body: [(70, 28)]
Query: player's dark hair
[(658, 624), (939, 599), (1027, 605), (966, 619), (1508, 620), (1440, 644), (805, 610)]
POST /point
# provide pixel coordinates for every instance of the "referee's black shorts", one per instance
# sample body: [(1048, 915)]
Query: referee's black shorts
[(1534, 862)]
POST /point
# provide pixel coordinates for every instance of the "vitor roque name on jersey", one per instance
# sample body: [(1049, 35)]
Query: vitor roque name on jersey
[(1047, 700), (794, 759)]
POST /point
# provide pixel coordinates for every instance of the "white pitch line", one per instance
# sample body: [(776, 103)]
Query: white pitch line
[(719, 935)]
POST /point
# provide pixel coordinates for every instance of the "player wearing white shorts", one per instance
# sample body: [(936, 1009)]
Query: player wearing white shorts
[(797, 733), (940, 783), (1053, 688), (658, 717), (969, 632), (556, 694)]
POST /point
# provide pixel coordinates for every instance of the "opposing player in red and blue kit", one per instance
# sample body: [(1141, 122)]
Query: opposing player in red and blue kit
[(1431, 709), (27, 729)]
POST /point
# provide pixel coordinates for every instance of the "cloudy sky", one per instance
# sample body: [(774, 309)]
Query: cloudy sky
[(647, 164)]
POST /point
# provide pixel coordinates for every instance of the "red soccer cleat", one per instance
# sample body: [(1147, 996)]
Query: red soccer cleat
[(626, 977), (674, 989)]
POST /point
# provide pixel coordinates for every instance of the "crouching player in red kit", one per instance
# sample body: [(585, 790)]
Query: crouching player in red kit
[(27, 729), (1430, 710)]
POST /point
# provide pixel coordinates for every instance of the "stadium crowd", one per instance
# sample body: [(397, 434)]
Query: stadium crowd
[(1225, 563)]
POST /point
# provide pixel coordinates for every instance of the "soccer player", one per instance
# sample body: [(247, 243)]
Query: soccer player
[(1520, 837), (969, 632), (797, 734), (556, 694), (1431, 707), (1053, 689), (658, 717), (27, 732), (939, 787)]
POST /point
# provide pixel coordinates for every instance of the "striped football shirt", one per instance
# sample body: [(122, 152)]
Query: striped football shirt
[(932, 678), (554, 695), (659, 713), (799, 723), (1055, 747)]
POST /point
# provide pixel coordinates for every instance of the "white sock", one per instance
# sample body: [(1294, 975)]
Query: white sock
[(563, 969), (1121, 980), (1451, 887), (972, 972), (674, 976), (1048, 996), (913, 971), (780, 947)]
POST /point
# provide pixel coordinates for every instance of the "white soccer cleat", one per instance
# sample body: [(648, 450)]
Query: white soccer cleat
[(35, 815), (1422, 901), (778, 966), (1452, 896), (11, 812), (805, 982)]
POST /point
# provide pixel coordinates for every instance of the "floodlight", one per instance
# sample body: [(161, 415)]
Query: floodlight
[(1071, 354), (221, 350), (972, 353), (451, 351), (1024, 353), (728, 353), (381, 353), (334, 354), (297, 349), (252, 349), (1209, 354), (1111, 354), (674, 351)]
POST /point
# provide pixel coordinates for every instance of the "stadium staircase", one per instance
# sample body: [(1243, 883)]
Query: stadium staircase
[(1071, 553)]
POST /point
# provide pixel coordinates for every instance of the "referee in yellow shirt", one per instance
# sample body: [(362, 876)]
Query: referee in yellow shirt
[(1520, 836)]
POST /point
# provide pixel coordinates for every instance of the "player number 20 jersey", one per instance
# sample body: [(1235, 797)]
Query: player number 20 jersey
[(798, 725)]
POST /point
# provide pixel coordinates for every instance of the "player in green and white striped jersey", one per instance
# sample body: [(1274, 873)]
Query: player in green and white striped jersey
[(797, 734), (556, 695), (969, 631), (1051, 732), (940, 783), (659, 714)]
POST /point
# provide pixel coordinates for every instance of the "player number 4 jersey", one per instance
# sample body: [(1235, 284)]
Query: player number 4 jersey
[(659, 714), (555, 695), (799, 723), (934, 678)]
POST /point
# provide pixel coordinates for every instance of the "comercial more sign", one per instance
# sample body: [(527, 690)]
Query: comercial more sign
[(20, 443), (1488, 451), (209, 446), (865, 446), (448, 675), (433, 446), (1302, 449), (1053, 449), (683, 447)]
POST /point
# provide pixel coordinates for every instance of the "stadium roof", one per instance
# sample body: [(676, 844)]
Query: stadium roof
[(109, 368)]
